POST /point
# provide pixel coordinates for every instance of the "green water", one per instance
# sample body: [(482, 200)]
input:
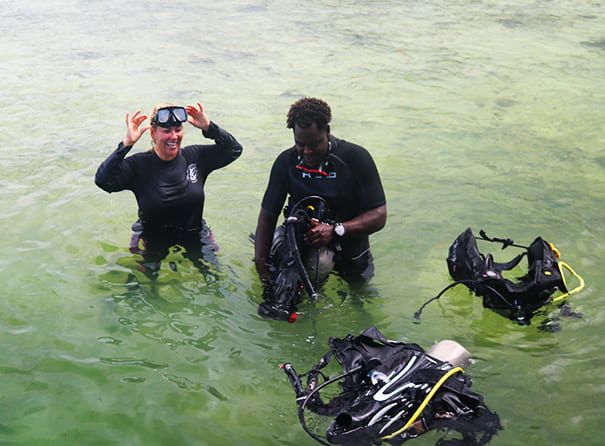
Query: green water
[(486, 114)]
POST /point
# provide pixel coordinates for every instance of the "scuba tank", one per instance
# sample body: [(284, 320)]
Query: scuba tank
[(450, 351)]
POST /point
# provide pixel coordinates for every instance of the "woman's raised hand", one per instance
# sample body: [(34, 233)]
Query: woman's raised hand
[(197, 117), (134, 129)]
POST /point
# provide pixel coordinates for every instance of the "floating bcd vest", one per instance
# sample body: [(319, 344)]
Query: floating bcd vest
[(484, 276), (390, 391)]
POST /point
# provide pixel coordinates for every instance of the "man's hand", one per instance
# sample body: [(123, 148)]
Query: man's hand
[(320, 235)]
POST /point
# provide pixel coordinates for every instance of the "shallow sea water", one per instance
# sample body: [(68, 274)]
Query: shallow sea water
[(485, 114)]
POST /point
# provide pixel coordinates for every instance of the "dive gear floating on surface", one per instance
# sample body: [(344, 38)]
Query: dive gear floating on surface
[(519, 300), (392, 391)]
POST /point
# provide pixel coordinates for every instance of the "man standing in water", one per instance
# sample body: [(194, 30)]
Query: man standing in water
[(342, 173)]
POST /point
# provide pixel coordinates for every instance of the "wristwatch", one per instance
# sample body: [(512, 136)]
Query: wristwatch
[(339, 229)]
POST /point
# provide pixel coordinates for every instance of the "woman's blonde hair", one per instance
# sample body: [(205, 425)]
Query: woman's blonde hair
[(155, 110)]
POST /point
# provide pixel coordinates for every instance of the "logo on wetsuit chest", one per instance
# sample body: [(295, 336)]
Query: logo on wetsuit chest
[(313, 173), (192, 173)]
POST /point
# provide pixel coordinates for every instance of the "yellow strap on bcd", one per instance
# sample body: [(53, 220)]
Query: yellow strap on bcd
[(576, 289), (413, 418)]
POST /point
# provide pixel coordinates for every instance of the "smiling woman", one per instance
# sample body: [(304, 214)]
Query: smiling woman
[(168, 182)]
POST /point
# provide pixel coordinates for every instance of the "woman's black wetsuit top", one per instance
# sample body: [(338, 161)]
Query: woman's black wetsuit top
[(170, 194)]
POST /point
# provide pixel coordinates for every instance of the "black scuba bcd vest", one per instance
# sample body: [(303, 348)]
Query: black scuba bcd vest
[(385, 385), (484, 276)]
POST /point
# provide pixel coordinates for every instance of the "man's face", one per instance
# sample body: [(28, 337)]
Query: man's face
[(311, 144)]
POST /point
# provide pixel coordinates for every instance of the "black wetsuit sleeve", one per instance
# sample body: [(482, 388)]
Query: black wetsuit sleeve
[(369, 187), (114, 174), (276, 191), (225, 150)]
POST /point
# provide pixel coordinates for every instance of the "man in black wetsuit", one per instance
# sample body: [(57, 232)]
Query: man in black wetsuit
[(342, 173), (168, 181)]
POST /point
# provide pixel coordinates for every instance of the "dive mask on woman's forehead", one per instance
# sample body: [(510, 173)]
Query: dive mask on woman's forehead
[(169, 117)]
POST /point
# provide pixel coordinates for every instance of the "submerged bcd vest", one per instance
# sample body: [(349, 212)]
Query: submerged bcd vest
[(484, 276), (390, 391)]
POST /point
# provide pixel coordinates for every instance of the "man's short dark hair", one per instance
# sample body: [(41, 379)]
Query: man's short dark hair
[(307, 111)]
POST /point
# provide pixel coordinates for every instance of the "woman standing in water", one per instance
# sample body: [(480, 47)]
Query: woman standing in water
[(168, 181)]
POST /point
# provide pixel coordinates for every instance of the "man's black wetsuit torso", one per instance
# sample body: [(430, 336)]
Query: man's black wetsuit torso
[(348, 180)]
